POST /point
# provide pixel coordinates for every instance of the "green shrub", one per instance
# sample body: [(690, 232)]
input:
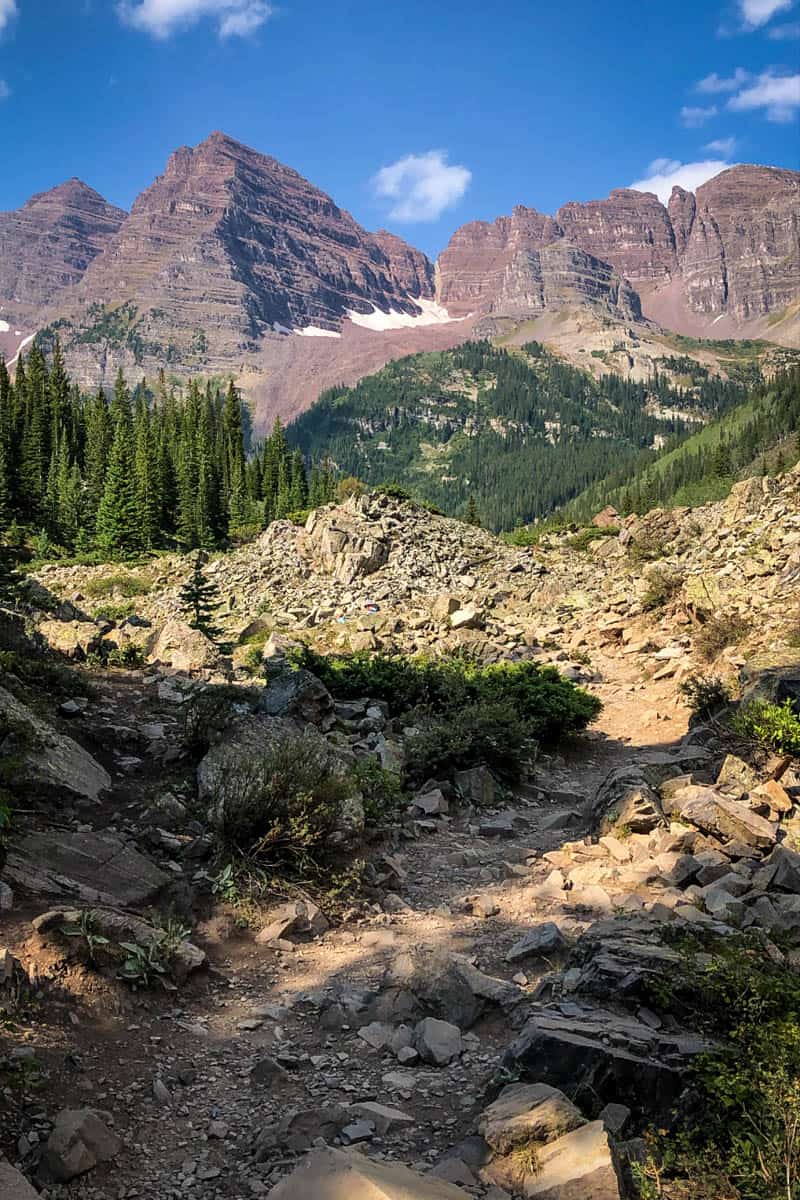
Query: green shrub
[(381, 790), (662, 585), (581, 541), (740, 1135), (283, 808), (491, 733), (720, 631), (646, 548), (705, 695), (121, 583), (113, 612), (130, 657), (774, 725), (299, 516), (549, 705)]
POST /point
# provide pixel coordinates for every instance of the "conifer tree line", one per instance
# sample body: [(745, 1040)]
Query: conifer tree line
[(141, 469)]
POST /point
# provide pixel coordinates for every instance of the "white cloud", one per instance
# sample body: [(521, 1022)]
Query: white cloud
[(693, 116), (723, 146), (8, 9), (5, 90), (664, 174), (715, 83), (234, 18), (422, 186), (756, 13), (778, 95)]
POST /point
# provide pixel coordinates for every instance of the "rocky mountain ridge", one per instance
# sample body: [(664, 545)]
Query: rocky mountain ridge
[(229, 256)]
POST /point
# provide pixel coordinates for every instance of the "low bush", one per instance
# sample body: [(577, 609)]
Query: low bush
[(491, 733), (739, 1137), (663, 584), (131, 657), (593, 533), (549, 705), (284, 807), (113, 612), (646, 548), (705, 695), (719, 632), (120, 583), (381, 790), (776, 726)]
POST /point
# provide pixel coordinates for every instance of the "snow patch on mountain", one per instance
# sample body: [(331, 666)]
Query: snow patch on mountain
[(431, 314)]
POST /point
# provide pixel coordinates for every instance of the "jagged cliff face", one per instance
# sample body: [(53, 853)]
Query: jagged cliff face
[(731, 251), (233, 244)]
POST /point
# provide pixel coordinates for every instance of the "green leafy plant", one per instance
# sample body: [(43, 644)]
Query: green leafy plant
[(144, 966), (774, 725), (114, 612), (129, 656), (86, 929), (583, 540), (224, 884)]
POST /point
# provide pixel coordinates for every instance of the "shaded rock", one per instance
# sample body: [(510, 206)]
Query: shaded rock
[(526, 1112), (97, 868), (541, 942), (338, 1175), (601, 1057), (75, 639), (79, 1141), (47, 762), (477, 786), (299, 696), (437, 1042), (431, 982)]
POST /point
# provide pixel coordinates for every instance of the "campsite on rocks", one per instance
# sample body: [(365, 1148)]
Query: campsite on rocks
[(399, 600)]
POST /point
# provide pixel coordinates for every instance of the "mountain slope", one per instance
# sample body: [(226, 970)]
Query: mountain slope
[(758, 436), (520, 433)]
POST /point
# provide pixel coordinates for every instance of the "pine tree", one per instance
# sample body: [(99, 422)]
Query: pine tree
[(471, 515), (118, 522), (200, 598)]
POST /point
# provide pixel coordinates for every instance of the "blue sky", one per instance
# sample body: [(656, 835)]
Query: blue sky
[(416, 115)]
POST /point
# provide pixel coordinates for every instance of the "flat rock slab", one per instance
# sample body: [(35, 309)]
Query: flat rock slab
[(93, 867), (336, 1175)]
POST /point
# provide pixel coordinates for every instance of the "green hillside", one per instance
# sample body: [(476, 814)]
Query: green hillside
[(519, 434), (759, 436)]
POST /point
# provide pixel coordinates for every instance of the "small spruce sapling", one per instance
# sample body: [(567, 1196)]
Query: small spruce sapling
[(200, 598)]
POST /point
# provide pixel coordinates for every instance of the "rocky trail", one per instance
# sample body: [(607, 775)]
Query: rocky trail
[(507, 945)]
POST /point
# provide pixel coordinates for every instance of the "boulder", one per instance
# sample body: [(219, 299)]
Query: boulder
[(13, 1185), (477, 786), (774, 677), (577, 1166), (94, 868), (437, 1042), (330, 1174), (47, 762), (471, 616), (717, 814), (297, 918), (344, 542), (599, 1056), (526, 1112), (542, 941), (298, 696), (79, 1141), (75, 639), (179, 646), (431, 982)]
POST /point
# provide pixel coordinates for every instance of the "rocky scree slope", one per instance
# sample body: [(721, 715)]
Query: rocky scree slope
[(383, 1035)]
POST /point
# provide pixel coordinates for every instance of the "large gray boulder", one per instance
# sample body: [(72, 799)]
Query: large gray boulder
[(46, 762), (714, 813), (94, 868), (344, 542), (14, 1186), (526, 1112), (75, 639), (299, 696), (179, 646)]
